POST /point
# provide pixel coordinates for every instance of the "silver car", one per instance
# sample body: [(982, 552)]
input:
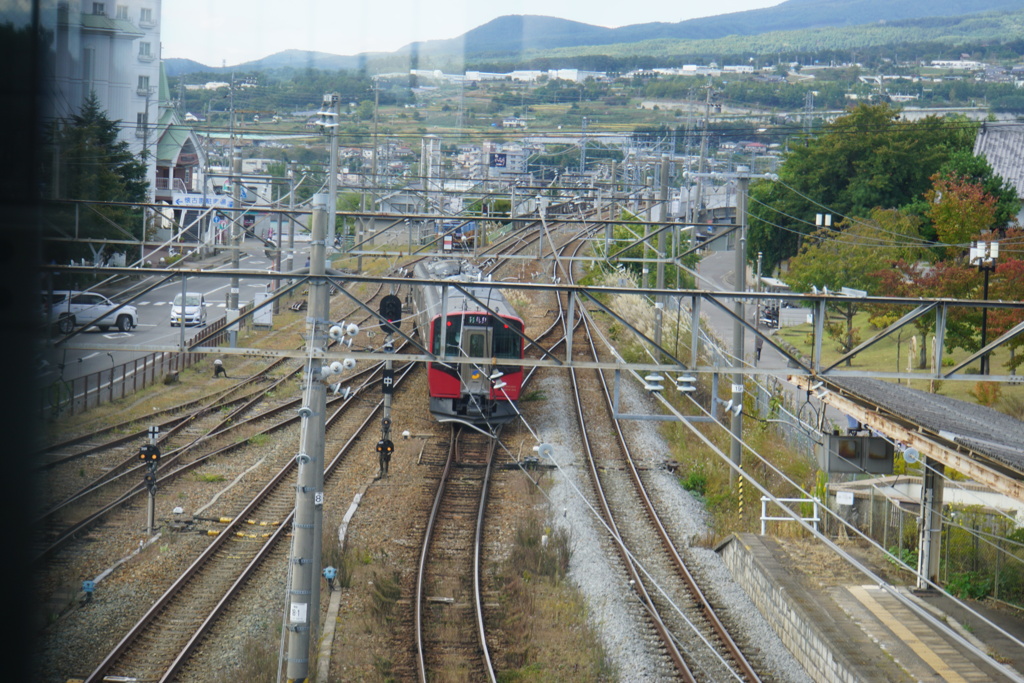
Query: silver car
[(69, 309), (193, 312)]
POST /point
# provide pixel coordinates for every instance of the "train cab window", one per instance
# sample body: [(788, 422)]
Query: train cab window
[(452, 337), (476, 344), (507, 343)]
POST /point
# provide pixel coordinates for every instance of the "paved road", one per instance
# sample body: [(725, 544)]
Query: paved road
[(154, 327), (717, 269)]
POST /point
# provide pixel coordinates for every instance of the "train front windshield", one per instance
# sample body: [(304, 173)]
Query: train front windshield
[(506, 342)]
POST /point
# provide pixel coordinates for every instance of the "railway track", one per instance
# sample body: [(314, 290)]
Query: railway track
[(691, 634), (74, 515), (238, 577), (114, 473), (450, 633), (449, 615), (111, 436), (158, 646)]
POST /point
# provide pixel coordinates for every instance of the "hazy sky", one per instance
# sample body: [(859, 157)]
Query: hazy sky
[(235, 31)]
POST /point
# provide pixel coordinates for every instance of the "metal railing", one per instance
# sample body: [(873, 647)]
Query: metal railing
[(70, 397)]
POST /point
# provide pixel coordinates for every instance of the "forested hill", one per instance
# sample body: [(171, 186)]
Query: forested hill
[(516, 38), (519, 34)]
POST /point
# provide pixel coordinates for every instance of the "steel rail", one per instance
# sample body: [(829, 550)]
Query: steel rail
[(236, 588)]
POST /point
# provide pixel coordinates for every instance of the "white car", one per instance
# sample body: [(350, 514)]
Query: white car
[(192, 313), (70, 309)]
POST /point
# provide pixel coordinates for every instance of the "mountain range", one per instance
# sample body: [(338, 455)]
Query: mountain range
[(512, 37)]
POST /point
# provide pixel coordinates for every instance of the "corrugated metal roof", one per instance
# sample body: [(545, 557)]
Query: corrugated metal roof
[(986, 431), (1002, 144)]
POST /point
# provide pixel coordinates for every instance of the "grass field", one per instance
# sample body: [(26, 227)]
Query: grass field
[(900, 352)]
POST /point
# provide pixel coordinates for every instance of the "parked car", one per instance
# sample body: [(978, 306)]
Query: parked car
[(192, 313), (69, 309)]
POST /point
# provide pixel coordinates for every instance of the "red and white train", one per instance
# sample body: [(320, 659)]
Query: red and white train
[(482, 392)]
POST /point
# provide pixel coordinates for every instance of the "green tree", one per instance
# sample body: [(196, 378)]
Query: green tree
[(851, 256), (959, 210), (97, 167), (364, 112), (944, 279), (865, 159), (1008, 285)]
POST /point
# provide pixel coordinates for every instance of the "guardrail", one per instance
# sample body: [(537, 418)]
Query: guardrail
[(71, 397)]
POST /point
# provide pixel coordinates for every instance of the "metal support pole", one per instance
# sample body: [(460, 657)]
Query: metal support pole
[(984, 322), (931, 524), (739, 331), (154, 433), (181, 320), (660, 267), (236, 241), (304, 595), (289, 262), (569, 328), (443, 322), (332, 181), (694, 330), (759, 288), (938, 340)]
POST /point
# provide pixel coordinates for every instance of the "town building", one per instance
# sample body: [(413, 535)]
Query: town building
[(111, 49)]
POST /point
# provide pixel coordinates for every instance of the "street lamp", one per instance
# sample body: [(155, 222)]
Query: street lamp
[(984, 255)]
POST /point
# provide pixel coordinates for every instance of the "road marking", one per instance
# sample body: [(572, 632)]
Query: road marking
[(117, 335), (91, 355)]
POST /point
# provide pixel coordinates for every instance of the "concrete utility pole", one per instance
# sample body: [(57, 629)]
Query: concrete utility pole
[(236, 242), (304, 592), (703, 154)]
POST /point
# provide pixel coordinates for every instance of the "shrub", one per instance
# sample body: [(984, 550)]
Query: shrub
[(696, 480), (973, 585), (987, 393)]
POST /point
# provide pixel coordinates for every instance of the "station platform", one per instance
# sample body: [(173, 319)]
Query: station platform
[(843, 627)]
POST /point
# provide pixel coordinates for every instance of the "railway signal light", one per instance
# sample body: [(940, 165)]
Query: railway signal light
[(149, 453), (386, 447), (391, 311)]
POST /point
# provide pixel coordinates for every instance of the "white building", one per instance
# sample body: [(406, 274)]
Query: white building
[(113, 50), (503, 160)]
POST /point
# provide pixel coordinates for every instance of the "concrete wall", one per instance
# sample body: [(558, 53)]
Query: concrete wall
[(796, 615)]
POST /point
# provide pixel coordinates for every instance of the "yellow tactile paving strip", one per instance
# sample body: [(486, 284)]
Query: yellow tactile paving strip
[(937, 655)]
